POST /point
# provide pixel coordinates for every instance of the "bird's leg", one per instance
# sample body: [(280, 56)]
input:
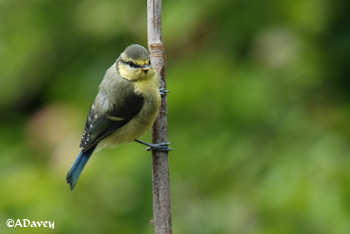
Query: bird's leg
[(158, 146), (163, 91)]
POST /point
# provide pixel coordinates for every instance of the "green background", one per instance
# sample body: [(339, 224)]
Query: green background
[(258, 115)]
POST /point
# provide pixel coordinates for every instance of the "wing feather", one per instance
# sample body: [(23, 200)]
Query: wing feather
[(99, 125)]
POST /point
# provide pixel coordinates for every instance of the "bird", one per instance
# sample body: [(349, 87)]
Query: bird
[(126, 106)]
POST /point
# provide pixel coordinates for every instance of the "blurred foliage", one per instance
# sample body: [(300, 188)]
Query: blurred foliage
[(259, 115)]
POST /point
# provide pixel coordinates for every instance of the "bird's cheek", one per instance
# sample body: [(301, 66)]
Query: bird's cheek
[(140, 73)]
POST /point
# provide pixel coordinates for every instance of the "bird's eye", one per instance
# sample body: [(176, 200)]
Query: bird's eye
[(131, 64)]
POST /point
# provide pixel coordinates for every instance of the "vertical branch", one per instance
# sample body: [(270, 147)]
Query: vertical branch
[(160, 161)]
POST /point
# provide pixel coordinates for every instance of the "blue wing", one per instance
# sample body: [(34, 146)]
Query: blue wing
[(98, 126)]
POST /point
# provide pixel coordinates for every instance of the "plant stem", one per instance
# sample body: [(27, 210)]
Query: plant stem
[(160, 160)]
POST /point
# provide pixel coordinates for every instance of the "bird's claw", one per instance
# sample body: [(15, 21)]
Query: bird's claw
[(163, 91), (160, 147)]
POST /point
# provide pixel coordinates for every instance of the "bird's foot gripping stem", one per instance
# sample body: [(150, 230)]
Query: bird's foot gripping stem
[(159, 146), (163, 91)]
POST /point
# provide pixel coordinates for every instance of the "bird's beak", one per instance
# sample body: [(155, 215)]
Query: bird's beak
[(145, 68)]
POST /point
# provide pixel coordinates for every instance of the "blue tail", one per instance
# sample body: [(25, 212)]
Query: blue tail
[(78, 166)]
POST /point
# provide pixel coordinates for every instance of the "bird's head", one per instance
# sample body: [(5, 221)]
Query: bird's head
[(135, 64)]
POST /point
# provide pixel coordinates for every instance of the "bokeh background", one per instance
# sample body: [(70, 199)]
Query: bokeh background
[(258, 113)]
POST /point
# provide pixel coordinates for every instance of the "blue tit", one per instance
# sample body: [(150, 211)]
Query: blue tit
[(125, 107)]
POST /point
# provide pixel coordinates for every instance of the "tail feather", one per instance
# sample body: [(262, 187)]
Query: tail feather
[(78, 166)]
